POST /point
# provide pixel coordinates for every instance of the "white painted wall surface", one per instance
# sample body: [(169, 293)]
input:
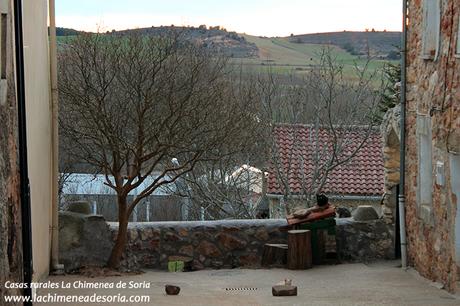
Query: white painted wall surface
[(38, 112)]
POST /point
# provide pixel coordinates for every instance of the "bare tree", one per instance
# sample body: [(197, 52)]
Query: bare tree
[(219, 190), (130, 104), (335, 106), (227, 187), (336, 110)]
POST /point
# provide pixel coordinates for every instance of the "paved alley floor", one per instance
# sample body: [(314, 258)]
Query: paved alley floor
[(380, 283)]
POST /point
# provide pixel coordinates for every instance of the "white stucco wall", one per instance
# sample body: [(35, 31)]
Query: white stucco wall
[(38, 111)]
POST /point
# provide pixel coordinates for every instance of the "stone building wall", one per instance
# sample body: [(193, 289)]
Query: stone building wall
[(433, 94), (10, 231), (391, 131)]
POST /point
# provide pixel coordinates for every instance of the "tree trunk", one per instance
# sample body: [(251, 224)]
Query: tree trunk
[(287, 207), (299, 250), (122, 236)]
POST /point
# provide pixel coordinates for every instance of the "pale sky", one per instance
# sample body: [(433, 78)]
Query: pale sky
[(256, 17)]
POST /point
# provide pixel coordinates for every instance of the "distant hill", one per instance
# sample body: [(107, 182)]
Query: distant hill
[(215, 38), (297, 53), (66, 32), (378, 44)]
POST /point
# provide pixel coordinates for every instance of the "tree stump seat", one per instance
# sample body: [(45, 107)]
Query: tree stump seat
[(299, 255)]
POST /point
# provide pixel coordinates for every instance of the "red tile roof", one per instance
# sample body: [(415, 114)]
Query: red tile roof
[(294, 155)]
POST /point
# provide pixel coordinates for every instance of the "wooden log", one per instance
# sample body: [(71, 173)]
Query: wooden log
[(299, 255), (321, 245), (274, 255)]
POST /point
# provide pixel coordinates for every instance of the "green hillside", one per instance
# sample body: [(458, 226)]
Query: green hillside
[(295, 54), (376, 43), (283, 55)]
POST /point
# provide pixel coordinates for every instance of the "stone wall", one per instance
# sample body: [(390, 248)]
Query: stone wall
[(210, 244), (10, 214), (84, 240), (239, 243), (433, 92), (364, 241)]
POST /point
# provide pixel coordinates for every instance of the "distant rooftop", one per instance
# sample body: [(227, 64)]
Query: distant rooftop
[(363, 175)]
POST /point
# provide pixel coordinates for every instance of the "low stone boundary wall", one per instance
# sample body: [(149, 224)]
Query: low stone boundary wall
[(209, 244), (364, 240), (87, 240), (239, 243)]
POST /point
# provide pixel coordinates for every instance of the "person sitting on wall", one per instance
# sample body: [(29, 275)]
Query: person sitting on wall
[(322, 203)]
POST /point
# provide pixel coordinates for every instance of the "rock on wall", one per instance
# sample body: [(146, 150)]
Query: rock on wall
[(210, 244), (84, 240), (365, 240), (433, 91)]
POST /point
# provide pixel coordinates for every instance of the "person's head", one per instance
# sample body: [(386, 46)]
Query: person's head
[(321, 200)]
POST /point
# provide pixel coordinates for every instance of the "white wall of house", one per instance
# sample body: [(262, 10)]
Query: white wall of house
[(38, 112)]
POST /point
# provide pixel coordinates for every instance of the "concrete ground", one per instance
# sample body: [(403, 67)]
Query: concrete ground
[(380, 283)]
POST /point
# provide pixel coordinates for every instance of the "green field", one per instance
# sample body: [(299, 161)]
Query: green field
[(282, 56), (279, 55)]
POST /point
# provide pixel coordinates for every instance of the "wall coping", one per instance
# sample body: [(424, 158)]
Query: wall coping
[(194, 224), (243, 223), (351, 221)]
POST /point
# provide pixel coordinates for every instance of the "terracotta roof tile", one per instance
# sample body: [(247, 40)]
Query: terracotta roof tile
[(295, 148)]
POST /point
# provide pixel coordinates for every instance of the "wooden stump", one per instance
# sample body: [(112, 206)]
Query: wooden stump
[(321, 235), (274, 255), (299, 255)]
